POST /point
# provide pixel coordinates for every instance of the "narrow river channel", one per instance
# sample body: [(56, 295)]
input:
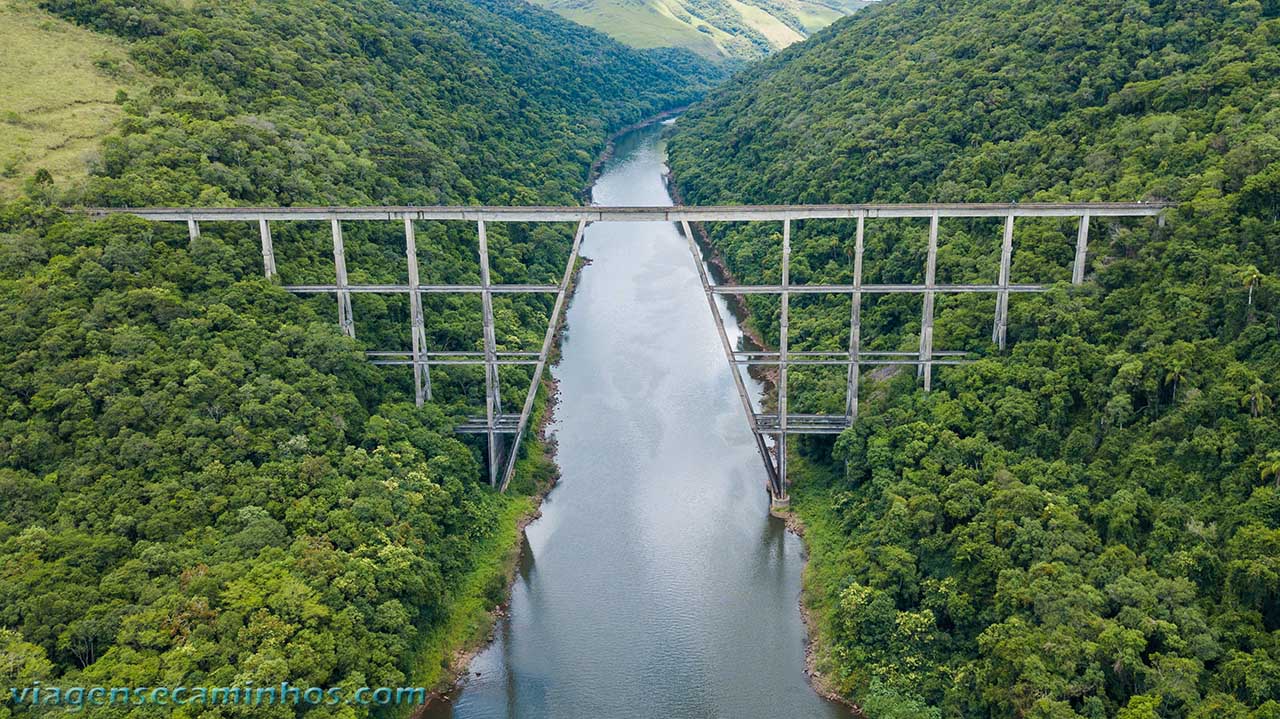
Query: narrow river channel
[(655, 583)]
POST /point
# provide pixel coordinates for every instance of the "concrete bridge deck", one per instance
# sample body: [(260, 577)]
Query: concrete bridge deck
[(722, 213)]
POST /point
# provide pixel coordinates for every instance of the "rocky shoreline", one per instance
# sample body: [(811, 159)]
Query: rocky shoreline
[(820, 683)]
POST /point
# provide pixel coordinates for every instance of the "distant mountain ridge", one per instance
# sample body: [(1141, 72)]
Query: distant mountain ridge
[(734, 30)]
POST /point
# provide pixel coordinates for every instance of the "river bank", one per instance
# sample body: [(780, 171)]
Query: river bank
[(610, 145), (443, 656), (808, 517), (485, 595), (737, 304)]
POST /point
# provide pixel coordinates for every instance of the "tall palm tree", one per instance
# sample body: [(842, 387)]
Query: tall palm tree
[(1252, 279), (1177, 372), (1256, 398)]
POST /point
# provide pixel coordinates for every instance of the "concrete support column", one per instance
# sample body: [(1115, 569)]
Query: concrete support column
[(268, 250), (762, 446), (418, 336), (492, 386), (925, 368), (548, 339), (783, 351), (193, 230), (1082, 248), (855, 323), (1001, 325), (345, 318)]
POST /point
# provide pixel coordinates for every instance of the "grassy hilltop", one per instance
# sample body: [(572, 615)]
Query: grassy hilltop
[(715, 29), (60, 87)]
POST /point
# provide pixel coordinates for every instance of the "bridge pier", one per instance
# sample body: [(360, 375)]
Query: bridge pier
[(855, 324), (417, 330), (492, 384), (1001, 324), (777, 504), (1082, 246), (925, 368), (780, 486), (268, 250), (762, 447), (345, 318), (553, 322)]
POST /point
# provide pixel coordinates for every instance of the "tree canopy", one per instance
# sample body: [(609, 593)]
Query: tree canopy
[(1086, 525), (203, 482)]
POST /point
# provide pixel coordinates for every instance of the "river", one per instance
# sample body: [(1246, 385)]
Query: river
[(655, 584)]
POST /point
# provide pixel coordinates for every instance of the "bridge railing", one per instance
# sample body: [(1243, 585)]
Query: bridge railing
[(498, 426)]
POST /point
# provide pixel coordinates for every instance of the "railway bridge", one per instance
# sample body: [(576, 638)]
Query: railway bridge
[(504, 429)]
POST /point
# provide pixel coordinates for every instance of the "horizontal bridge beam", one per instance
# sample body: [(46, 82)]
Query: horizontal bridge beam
[(475, 355), (804, 423), (450, 362), (868, 289), (847, 360), (504, 423), (424, 289), (641, 214), (775, 356)]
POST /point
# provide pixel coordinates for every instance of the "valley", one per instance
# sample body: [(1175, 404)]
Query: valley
[(205, 482)]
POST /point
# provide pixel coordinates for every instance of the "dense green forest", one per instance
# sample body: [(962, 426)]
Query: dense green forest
[(203, 482), (1088, 524)]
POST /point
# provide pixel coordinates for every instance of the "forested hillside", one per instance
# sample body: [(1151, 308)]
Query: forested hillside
[(203, 483), (1089, 524)]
